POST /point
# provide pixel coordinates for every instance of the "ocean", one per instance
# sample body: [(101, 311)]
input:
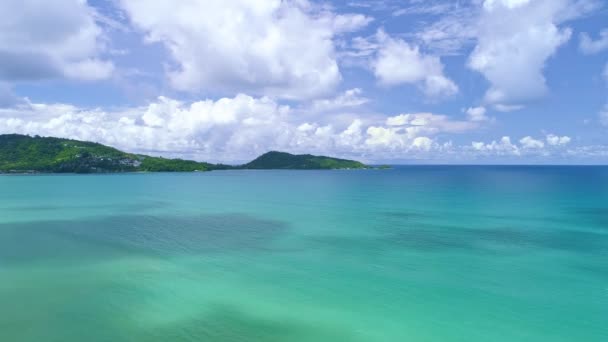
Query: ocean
[(414, 253)]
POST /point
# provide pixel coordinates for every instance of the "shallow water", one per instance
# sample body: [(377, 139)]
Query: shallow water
[(425, 253)]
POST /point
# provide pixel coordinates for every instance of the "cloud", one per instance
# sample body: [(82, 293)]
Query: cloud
[(428, 7), (477, 114), (276, 48), (348, 99), (528, 146), (507, 108), (235, 129), (430, 123), (454, 30), (599, 152), (501, 147), (531, 143), (397, 139), (343, 23), (555, 140), (228, 128), (589, 46), (423, 143), (51, 39), (514, 40), (510, 4), (398, 62), (406, 132)]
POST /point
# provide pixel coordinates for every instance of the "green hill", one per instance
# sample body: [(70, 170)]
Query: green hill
[(22, 153), (282, 160)]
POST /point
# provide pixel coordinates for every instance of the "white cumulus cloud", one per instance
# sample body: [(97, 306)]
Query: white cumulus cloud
[(531, 143), (234, 129), (51, 39), (514, 40), (504, 146), (430, 123), (555, 140), (398, 62), (477, 113), (348, 99), (528, 146), (274, 47)]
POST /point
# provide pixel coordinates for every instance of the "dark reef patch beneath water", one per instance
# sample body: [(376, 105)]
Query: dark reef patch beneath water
[(136, 234), (422, 232)]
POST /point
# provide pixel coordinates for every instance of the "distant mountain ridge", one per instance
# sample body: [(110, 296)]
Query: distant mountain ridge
[(23, 153)]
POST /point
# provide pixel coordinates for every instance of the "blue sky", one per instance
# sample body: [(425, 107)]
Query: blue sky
[(479, 81)]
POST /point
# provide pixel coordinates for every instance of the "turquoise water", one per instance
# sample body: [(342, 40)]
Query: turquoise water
[(408, 254)]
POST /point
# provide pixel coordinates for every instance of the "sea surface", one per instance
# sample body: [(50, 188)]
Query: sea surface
[(417, 253)]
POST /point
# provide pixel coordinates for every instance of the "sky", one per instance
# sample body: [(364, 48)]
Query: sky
[(381, 81)]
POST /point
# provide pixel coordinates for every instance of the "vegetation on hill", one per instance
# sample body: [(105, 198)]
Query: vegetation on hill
[(22, 153), (153, 164), (282, 160)]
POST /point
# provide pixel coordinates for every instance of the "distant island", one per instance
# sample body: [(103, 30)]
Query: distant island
[(27, 154), (283, 160)]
